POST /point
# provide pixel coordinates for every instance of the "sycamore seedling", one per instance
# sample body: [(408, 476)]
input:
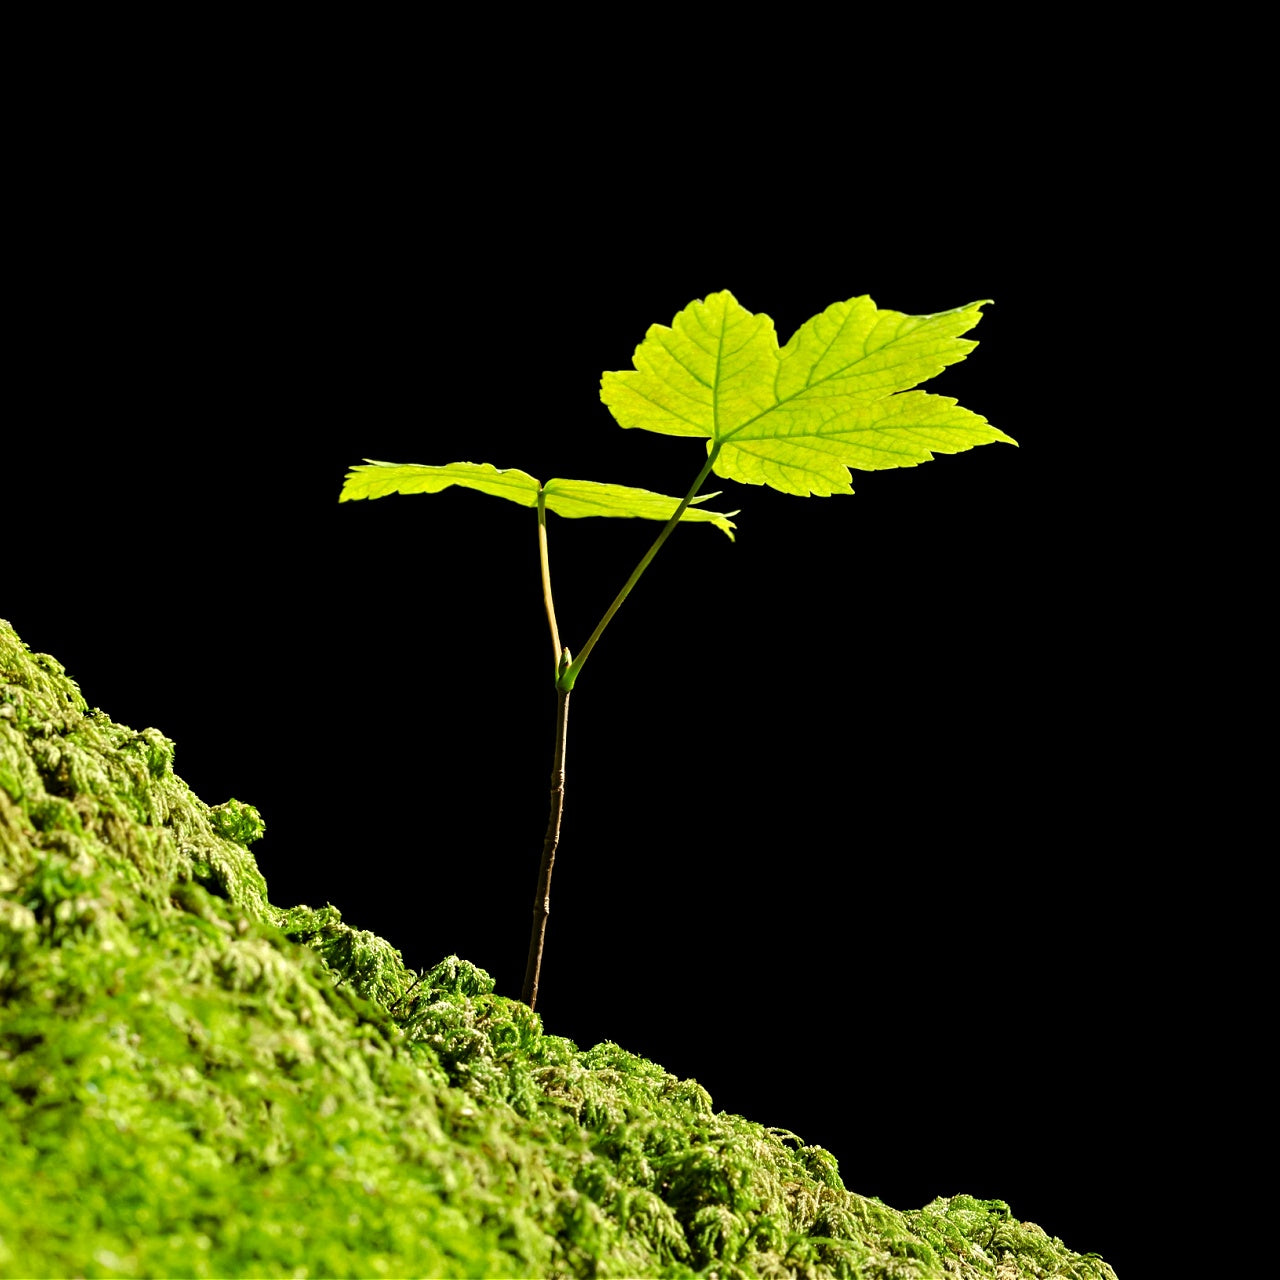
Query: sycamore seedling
[(796, 419)]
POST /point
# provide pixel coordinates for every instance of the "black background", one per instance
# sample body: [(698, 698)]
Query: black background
[(847, 835)]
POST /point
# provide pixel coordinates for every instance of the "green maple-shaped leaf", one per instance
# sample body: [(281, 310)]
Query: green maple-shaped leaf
[(836, 396), (570, 498)]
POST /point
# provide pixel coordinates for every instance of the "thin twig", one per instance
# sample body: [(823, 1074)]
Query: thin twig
[(566, 673), (542, 899), (407, 990)]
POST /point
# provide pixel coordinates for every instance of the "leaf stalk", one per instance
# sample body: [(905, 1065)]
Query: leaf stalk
[(566, 680), (545, 561)]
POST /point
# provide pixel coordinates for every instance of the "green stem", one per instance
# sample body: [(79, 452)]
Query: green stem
[(571, 674), (546, 575)]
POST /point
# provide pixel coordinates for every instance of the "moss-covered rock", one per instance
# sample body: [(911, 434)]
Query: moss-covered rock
[(196, 1082)]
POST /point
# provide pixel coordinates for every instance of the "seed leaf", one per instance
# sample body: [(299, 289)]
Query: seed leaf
[(569, 498)]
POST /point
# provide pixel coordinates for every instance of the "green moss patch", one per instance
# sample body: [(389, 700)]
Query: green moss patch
[(194, 1081)]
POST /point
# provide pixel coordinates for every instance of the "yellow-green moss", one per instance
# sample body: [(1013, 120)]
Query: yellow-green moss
[(195, 1082)]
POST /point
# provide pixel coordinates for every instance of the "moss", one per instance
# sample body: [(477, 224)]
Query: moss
[(196, 1082)]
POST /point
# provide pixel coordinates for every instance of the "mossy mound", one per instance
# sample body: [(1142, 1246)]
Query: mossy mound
[(195, 1082)]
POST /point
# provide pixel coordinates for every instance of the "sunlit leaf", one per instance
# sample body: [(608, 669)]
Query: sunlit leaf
[(836, 396)]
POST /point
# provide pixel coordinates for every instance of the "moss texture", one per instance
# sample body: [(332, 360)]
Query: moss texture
[(196, 1082)]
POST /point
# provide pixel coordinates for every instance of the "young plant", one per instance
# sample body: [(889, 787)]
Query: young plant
[(796, 419)]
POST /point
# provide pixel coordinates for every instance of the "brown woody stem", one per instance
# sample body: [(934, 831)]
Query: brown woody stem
[(542, 899)]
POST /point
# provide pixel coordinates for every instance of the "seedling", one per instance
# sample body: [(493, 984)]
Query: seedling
[(796, 419)]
